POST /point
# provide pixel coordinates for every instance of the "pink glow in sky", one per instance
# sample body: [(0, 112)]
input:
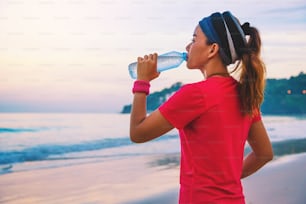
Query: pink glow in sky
[(73, 55)]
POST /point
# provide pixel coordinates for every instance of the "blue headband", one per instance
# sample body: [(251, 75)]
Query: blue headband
[(226, 31), (209, 30)]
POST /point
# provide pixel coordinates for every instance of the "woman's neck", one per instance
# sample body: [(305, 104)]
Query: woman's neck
[(218, 74), (215, 67), (215, 72)]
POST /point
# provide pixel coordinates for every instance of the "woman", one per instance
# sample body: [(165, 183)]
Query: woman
[(216, 116)]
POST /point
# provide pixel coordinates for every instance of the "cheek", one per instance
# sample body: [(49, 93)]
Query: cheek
[(195, 58), (193, 62)]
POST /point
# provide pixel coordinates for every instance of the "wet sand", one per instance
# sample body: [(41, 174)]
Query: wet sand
[(144, 180)]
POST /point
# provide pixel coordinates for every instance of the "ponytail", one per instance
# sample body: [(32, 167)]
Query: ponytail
[(252, 74)]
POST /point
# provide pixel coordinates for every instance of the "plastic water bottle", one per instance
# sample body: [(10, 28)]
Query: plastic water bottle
[(165, 61)]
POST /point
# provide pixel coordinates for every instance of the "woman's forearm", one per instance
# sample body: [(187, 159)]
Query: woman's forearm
[(138, 113), (144, 128), (252, 163)]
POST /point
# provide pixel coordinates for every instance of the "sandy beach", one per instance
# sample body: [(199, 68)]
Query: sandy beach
[(109, 182), (282, 181), (144, 180)]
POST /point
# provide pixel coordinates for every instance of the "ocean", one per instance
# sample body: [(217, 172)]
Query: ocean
[(30, 141)]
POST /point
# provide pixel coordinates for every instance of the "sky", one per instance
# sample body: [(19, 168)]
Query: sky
[(72, 55)]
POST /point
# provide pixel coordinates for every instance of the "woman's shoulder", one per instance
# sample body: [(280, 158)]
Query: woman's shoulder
[(192, 86), (213, 81)]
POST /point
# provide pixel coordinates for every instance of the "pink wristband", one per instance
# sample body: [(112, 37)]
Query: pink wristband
[(141, 86)]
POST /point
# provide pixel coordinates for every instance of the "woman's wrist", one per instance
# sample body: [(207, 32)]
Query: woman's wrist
[(141, 86)]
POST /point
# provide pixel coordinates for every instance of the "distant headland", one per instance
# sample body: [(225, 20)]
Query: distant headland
[(282, 96)]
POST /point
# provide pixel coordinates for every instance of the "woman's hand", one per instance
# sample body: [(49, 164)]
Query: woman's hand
[(147, 67)]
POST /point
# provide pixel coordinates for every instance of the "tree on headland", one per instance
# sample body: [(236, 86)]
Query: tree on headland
[(285, 96), (282, 96)]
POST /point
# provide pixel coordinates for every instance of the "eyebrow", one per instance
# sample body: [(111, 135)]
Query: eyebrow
[(194, 35)]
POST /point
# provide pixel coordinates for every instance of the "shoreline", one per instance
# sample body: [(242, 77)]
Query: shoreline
[(144, 180), (281, 148)]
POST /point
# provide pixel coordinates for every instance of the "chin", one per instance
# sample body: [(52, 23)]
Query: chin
[(191, 66)]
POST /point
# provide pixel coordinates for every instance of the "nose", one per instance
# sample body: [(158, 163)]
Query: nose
[(188, 47)]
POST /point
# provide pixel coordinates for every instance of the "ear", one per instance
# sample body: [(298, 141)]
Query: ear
[(214, 50)]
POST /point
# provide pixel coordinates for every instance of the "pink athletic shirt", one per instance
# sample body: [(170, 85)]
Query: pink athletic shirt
[(213, 133)]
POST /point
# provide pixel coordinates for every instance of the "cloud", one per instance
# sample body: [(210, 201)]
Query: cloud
[(286, 18), (71, 50), (288, 9)]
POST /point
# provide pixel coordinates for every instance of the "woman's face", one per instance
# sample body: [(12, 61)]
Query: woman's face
[(198, 50)]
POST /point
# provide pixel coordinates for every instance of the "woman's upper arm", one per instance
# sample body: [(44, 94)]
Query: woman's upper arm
[(259, 141), (150, 128)]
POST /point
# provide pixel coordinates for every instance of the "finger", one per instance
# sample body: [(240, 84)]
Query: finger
[(154, 56), (146, 57), (139, 59)]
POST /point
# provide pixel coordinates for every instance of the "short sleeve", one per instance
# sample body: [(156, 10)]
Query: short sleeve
[(257, 116), (184, 106)]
